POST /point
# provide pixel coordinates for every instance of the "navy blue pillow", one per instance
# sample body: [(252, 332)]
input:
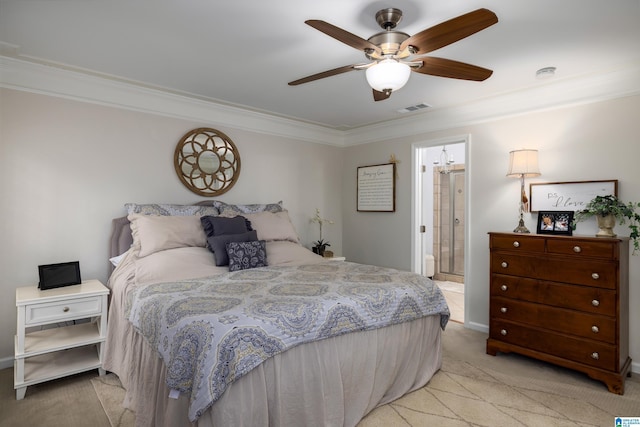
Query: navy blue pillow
[(244, 255), (217, 225), (218, 244)]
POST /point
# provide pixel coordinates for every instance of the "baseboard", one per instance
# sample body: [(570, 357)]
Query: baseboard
[(477, 327), (6, 362)]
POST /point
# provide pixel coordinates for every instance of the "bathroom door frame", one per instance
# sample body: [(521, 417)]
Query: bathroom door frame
[(417, 194)]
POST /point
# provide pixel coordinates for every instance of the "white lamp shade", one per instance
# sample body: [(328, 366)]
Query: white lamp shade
[(523, 162), (388, 74)]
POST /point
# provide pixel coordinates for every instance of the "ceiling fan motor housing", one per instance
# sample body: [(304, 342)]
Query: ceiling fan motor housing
[(388, 41), (388, 18)]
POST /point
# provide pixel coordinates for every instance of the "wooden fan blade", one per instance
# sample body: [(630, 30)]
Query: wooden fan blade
[(322, 75), (453, 69), (342, 35), (450, 31), (380, 96)]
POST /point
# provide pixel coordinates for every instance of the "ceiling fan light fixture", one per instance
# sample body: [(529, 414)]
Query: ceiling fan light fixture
[(388, 75)]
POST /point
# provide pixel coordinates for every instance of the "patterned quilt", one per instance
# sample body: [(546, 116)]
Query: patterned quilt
[(212, 331)]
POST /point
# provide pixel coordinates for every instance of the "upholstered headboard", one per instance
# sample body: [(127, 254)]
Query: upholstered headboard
[(121, 238)]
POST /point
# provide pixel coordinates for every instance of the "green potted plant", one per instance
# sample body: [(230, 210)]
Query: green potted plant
[(320, 246), (608, 210)]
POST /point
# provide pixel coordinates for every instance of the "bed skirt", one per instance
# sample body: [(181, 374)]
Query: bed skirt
[(333, 382)]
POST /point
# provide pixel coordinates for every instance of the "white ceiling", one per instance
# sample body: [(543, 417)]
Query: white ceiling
[(244, 52)]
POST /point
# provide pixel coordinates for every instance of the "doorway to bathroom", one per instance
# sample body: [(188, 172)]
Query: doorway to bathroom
[(440, 202)]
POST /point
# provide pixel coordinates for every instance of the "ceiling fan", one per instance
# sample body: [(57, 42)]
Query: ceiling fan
[(394, 54)]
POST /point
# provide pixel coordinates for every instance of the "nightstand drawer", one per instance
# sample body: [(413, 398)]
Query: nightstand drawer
[(63, 310)]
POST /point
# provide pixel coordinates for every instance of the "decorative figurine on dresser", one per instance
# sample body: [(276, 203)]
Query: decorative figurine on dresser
[(563, 300)]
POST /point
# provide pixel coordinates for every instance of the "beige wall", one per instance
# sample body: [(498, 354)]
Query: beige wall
[(596, 141), (67, 168)]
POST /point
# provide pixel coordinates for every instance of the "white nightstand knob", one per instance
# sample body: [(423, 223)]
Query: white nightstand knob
[(503, 332), (516, 244), (595, 276), (595, 356), (504, 264), (595, 303), (504, 287), (66, 309), (503, 309), (595, 329), (577, 249)]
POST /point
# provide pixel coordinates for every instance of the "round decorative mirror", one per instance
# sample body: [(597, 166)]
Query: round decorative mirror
[(207, 162)]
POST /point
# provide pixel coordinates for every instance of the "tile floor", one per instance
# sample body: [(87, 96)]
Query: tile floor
[(454, 293)]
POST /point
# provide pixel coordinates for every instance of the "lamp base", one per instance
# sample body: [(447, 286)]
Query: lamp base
[(521, 228)]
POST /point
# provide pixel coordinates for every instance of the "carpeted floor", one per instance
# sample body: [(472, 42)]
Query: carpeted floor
[(472, 389)]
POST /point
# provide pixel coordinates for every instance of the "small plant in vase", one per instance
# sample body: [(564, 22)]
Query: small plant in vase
[(320, 246), (608, 210)]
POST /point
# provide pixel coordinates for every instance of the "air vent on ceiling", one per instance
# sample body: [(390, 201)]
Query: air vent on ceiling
[(413, 108)]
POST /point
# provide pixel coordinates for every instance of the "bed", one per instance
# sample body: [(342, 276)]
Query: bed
[(185, 359)]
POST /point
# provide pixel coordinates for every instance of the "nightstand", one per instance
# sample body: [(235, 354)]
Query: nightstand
[(44, 352)]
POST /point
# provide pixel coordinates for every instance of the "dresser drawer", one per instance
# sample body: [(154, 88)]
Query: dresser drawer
[(583, 298), (589, 272), (517, 243), (605, 249), (586, 325), (588, 352), (63, 310)]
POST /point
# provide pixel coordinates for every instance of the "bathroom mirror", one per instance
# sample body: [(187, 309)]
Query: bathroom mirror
[(207, 162)]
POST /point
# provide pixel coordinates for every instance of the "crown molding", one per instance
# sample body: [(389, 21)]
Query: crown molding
[(50, 80), (57, 81), (554, 95)]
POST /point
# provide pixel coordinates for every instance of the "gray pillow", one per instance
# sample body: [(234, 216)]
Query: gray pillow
[(227, 209), (216, 225), (218, 244), (244, 255)]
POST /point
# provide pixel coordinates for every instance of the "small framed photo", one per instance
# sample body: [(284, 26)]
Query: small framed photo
[(555, 222)]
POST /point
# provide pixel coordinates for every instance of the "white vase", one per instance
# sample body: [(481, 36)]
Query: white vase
[(606, 224)]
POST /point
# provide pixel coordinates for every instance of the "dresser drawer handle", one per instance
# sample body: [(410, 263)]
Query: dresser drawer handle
[(504, 264), (577, 249), (595, 329), (503, 309), (503, 332), (595, 276), (504, 288), (595, 303), (516, 244), (66, 309), (595, 356)]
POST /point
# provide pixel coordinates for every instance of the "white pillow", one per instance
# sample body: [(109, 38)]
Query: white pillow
[(273, 226), (116, 259), (289, 253), (153, 233), (177, 264)]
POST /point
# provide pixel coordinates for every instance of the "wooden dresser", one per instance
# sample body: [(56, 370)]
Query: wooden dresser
[(564, 300)]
